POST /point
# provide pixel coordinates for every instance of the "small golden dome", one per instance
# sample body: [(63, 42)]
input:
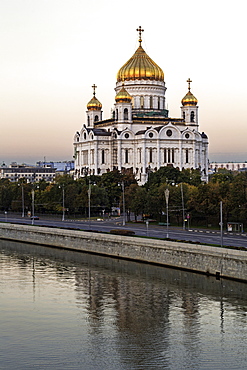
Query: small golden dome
[(123, 96), (140, 66), (189, 98), (94, 104)]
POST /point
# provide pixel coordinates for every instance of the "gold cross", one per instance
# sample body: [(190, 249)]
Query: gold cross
[(189, 81), (140, 30), (94, 87)]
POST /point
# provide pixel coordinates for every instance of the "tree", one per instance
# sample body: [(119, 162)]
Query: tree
[(238, 198)]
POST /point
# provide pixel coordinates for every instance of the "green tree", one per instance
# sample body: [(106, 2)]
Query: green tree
[(238, 198)]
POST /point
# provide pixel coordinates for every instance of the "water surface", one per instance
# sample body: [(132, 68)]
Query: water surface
[(68, 310)]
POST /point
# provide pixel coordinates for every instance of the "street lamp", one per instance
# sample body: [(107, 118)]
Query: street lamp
[(123, 204), (123, 196), (63, 203), (22, 200), (32, 206), (89, 204), (167, 200), (182, 196), (221, 225), (63, 214)]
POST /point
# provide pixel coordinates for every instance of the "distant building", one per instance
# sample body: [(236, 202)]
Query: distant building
[(62, 168), (230, 166), (16, 172), (140, 135)]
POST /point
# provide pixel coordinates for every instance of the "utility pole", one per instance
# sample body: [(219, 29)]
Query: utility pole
[(123, 204), (221, 225), (167, 218)]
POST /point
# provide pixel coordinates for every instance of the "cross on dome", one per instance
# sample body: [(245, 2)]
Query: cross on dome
[(140, 30), (189, 81), (94, 87)]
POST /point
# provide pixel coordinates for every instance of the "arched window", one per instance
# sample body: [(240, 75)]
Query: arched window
[(151, 102), (172, 155), (103, 156), (116, 114), (88, 120), (158, 102), (192, 116), (142, 101), (126, 114), (169, 155), (126, 156), (165, 160), (113, 114), (96, 118), (183, 115), (186, 155), (150, 155)]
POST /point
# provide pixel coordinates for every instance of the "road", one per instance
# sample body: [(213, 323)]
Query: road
[(153, 231)]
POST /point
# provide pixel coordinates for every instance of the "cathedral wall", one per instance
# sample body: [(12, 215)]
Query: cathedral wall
[(143, 153)]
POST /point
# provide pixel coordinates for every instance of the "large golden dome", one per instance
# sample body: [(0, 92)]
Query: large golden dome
[(140, 67)]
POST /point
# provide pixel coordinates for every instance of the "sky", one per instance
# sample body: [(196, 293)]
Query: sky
[(53, 51)]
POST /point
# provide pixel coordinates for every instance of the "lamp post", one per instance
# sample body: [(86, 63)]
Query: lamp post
[(22, 200), (147, 222), (33, 203), (63, 204), (221, 225), (123, 204), (32, 206), (182, 196), (167, 218), (89, 204), (63, 211)]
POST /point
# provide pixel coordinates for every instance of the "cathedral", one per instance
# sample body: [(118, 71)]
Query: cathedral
[(140, 135)]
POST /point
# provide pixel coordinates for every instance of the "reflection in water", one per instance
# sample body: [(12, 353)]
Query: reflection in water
[(91, 312)]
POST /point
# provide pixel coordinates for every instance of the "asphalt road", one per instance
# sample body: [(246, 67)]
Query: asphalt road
[(154, 231)]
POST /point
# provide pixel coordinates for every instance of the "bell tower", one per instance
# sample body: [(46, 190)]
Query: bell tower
[(189, 109), (94, 110)]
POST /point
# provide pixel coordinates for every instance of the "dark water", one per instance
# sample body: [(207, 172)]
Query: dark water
[(67, 310)]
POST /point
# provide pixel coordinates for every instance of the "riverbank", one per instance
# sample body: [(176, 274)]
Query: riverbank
[(221, 262)]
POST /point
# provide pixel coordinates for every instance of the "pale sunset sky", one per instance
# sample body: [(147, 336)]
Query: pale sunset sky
[(53, 51)]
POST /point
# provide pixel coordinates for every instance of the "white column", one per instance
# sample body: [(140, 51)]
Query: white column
[(119, 156), (144, 156), (181, 155), (158, 153), (96, 157)]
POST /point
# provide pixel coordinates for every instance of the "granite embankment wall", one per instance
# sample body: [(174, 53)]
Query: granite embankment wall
[(222, 262)]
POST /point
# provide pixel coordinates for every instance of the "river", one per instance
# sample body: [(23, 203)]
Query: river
[(69, 310)]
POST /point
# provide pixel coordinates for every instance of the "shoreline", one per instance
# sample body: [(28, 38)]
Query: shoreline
[(209, 260)]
